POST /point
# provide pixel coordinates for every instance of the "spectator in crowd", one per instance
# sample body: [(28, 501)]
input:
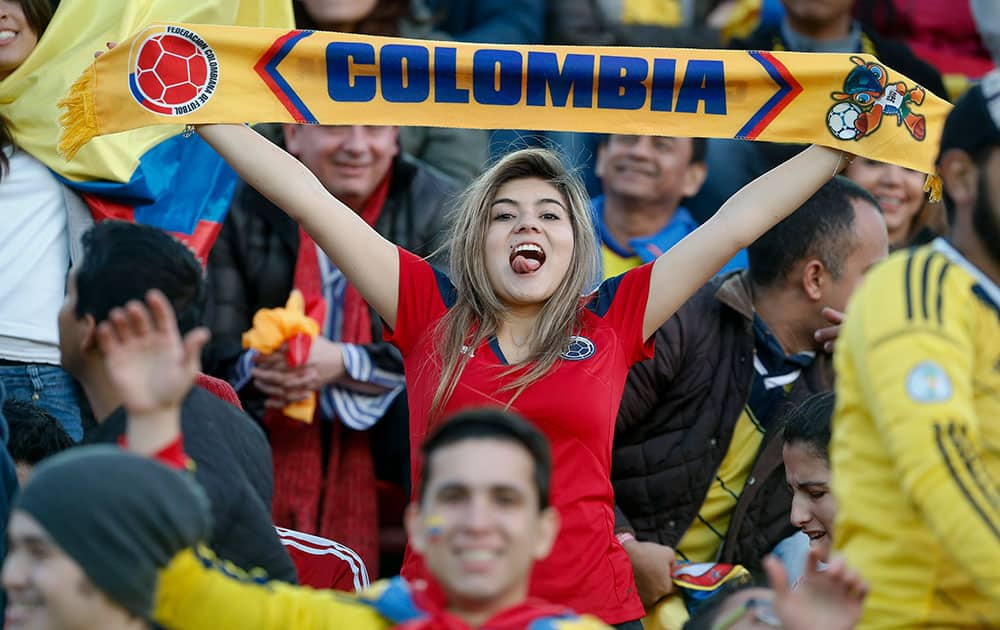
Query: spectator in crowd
[(662, 23), (34, 436), (522, 253), (807, 470), (483, 519), (325, 473), (697, 460), (808, 26), (122, 261), (491, 21), (488, 21), (645, 179), (915, 432), (941, 33), (38, 239), (900, 193), (458, 153), (88, 535)]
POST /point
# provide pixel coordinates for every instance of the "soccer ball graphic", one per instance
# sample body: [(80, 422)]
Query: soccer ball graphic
[(841, 120), (170, 70)]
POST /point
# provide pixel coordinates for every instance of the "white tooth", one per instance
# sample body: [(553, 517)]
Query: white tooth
[(7, 34), (477, 554)]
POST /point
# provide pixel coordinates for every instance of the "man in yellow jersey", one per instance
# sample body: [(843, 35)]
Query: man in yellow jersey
[(915, 452), (644, 180), (697, 468)]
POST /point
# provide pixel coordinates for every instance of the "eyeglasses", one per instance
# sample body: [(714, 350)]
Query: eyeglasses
[(761, 609)]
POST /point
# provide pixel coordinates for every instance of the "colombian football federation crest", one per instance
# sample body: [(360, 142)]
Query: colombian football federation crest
[(868, 97), (173, 71), (578, 349)]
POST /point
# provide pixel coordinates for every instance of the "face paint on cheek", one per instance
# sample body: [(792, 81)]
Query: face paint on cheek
[(434, 526)]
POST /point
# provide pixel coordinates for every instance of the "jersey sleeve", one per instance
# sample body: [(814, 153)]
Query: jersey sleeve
[(621, 302), (910, 344), (425, 294), (197, 593)]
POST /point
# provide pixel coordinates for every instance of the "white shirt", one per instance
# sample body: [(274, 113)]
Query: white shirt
[(34, 260)]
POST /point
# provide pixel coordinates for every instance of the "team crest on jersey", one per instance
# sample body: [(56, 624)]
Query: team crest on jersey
[(927, 382), (579, 348), (868, 96)]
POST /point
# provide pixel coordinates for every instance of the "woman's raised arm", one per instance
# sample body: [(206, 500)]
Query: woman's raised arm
[(758, 206), (369, 261)]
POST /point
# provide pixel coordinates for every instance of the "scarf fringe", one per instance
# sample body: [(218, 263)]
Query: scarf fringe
[(933, 187), (79, 117)]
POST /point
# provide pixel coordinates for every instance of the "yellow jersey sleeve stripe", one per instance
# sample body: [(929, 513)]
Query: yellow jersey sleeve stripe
[(924, 286), (907, 285), (940, 296), (952, 460), (959, 435)]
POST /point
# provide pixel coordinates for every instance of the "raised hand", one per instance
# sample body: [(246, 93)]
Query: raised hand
[(148, 363), (830, 599)]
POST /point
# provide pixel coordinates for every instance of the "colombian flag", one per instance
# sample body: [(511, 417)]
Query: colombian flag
[(154, 176)]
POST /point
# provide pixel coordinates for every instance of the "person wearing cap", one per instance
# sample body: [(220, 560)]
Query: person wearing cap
[(915, 452), (88, 535)]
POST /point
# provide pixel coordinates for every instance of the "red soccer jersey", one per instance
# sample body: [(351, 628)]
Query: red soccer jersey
[(575, 406)]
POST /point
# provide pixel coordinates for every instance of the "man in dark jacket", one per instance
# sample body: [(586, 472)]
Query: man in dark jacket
[(808, 26), (122, 262), (697, 466), (325, 473)]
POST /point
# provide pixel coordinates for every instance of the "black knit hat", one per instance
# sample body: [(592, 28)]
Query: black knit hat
[(120, 517), (974, 123)]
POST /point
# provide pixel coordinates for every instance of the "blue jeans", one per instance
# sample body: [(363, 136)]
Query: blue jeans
[(48, 386)]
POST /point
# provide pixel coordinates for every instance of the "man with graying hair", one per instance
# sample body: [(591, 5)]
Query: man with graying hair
[(88, 535)]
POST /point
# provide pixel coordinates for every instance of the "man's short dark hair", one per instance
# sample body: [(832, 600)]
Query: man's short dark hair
[(823, 227), (34, 433), (493, 424), (123, 261)]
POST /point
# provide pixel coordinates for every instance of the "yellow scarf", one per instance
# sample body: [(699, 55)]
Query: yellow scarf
[(185, 73), (29, 95)]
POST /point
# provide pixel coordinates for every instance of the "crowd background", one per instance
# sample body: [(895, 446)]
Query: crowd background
[(346, 476)]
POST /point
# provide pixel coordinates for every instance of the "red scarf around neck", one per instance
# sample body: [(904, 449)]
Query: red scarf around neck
[(340, 504)]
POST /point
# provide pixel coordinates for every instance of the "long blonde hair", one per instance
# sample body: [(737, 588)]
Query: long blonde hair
[(478, 311)]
